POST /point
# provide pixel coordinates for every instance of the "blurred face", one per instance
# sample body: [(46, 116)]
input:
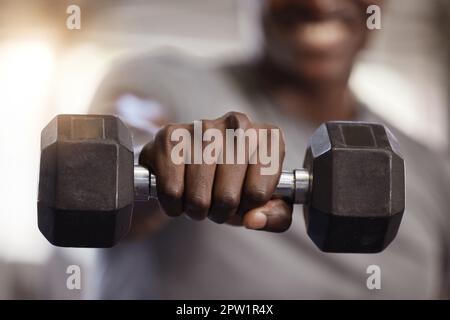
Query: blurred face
[(315, 40)]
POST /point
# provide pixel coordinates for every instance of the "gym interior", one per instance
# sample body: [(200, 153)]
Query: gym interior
[(49, 67)]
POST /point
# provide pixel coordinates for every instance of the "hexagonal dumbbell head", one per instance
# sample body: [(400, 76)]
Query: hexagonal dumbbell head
[(86, 181), (357, 195)]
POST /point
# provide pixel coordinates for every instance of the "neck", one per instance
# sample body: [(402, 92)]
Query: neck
[(317, 102)]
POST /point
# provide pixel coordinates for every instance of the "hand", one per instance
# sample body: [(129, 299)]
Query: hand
[(237, 193)]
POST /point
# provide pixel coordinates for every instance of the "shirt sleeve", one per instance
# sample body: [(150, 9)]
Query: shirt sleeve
[(132, 90), (135, 91)]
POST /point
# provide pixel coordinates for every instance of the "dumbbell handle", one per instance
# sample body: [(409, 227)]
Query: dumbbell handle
[(294, 186)]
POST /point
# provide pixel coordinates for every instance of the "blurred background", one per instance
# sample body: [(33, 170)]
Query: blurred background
[(46, 69)]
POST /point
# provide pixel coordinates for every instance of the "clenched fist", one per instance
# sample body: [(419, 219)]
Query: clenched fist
[(228, 172)]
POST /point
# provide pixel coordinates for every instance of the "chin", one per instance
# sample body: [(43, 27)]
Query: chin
[(314, 68), (321, 72)]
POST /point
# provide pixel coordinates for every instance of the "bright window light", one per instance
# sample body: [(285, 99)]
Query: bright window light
[(26, 69)]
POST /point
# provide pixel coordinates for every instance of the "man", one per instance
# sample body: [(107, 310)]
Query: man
[(299, 81)]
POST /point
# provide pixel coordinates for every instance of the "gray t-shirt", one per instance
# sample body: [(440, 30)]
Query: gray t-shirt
[(190, 260)]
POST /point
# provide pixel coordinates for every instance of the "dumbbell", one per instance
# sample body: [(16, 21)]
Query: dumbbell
[(352, 186)]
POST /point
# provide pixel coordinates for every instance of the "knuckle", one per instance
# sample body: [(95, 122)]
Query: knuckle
[(273, 128), (227, 200), (145, 157), (172, 193), (237, 120), (166, 131), (164, 136), (257, 195), (208, 124), (269, 126), (197, 203)]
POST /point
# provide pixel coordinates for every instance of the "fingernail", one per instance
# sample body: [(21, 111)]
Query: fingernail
[(257, 222)]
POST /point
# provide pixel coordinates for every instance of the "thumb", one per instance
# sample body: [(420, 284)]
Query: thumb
[(274, 216)]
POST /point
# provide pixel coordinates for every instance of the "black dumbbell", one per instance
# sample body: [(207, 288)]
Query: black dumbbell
[(352, 185)]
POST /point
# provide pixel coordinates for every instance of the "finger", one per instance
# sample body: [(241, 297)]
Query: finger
[(199, 179), (235, 220), (230, 177), (274, 216), (263, 173), (157, 157), (228, 184)]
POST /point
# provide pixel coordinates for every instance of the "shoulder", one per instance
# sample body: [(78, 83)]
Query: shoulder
[(160, 75), (160, 60), (427, 171), (161, 67), (418, 156)]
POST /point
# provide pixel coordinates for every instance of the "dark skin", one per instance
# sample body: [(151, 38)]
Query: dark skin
[(309, 50)]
